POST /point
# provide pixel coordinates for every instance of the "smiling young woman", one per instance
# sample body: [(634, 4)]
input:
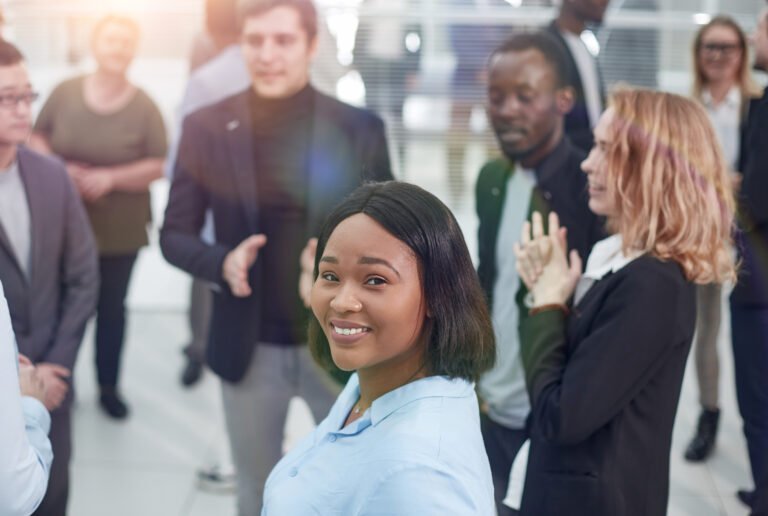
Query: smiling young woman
[(397, 300)]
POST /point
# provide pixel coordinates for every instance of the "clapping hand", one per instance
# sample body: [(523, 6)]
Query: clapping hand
[(543, 264)]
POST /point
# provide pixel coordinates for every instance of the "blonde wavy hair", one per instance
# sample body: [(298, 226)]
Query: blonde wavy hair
[(670, 182), (747, 85)]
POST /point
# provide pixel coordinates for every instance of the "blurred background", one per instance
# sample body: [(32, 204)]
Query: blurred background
[(401, 58)]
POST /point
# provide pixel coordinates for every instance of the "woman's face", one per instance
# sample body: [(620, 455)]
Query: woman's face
[(601, 199), (114, 47), (720, 54), (368, 298)]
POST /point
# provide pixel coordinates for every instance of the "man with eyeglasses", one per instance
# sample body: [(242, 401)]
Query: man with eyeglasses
[(48, 264), (269, 162)]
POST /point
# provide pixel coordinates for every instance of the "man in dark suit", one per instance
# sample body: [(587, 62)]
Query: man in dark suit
[(528, 97), (749, 299), (48, 264), (269, 163), (584, 75)]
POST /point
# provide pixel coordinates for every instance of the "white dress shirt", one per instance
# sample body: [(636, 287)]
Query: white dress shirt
[(25, 451), (726, 119)]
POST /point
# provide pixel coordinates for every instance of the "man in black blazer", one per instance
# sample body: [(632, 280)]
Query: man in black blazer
[(584, 75), (749, 299), (269, 163), (48, 264), (528, 97)]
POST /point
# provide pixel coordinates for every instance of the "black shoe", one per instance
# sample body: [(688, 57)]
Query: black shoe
[(746, 497), (703, 442), (112, 403), (193, 370)]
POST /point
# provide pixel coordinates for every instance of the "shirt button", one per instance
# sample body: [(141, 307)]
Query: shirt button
[(293, 472), (332, 438)]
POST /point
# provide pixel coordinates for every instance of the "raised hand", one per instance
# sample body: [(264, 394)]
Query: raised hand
[(239, 261), (543, 264)]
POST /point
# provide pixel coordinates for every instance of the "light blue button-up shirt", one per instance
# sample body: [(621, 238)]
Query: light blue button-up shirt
[(416, 451)]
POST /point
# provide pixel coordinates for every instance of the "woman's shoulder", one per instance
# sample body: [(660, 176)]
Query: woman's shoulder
[(646, 269), (68, 89)]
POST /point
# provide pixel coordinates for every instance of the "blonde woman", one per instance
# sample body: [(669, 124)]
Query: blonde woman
[(605, 352), (724, 86)]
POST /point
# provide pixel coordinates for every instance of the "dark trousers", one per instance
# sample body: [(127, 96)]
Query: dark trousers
[(501, 445), (55, 501), (749, 332), (115, 272)]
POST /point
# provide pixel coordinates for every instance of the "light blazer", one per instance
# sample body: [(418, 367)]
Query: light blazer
[(49, 310), (215, 170), (604, 385)]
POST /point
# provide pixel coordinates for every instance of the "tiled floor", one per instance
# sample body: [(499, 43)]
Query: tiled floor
[(145, 466)]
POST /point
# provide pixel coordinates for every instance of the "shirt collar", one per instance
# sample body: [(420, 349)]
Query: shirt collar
[(732, 99), (382, 407), (607, 256)]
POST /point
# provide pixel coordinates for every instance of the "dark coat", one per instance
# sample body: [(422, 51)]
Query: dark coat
[(604, 386), (751, 290), (215, 171)]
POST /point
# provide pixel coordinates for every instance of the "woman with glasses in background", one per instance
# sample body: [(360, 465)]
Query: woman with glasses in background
[(112, 137), (724, 86)]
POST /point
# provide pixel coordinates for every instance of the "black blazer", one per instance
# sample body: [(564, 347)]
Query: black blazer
[(752, 238), (577, 125), (214, 170), (561, 187), (604, 386)]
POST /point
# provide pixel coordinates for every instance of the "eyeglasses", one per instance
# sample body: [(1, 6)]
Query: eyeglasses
[(725, 49), (11, 100)]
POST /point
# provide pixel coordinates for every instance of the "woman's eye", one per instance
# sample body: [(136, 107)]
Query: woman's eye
[(328, 276), (375, 281)]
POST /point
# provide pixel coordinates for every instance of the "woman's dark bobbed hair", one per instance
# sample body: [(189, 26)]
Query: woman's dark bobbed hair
[(458, 331)]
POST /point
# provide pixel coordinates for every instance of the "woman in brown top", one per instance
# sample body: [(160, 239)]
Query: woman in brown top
[(112, 138)]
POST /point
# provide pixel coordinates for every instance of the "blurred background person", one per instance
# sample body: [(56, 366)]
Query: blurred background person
[(25, 451), (222, 75), (574, 17), (528, 98), (269, 162), (471, 44), (388, 62), (605, 382), (112, 138), (749, 299), (724, 86), (47, 264)]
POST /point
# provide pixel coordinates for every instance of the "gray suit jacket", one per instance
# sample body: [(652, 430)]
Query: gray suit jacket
[(49, 309)]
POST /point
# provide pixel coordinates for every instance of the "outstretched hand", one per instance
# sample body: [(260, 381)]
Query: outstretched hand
[(543, 263)]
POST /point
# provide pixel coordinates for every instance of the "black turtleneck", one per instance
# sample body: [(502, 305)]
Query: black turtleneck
[(282, 131)]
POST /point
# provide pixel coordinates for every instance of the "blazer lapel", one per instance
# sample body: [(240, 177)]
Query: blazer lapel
[(334, 168), (5, 245), (33, 187), (239, 135)]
